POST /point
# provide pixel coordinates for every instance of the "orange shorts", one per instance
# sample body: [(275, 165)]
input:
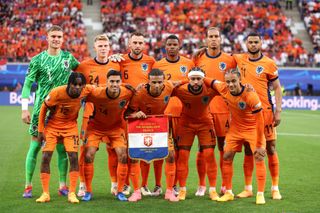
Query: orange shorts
[(114, 138), (269, 130), (235, 139), (69, 138), (221, 123), (187, 130)]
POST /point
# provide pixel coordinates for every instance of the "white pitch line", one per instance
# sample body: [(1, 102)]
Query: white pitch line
[(298, 134)]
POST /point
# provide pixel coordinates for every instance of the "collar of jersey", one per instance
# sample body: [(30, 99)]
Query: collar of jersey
[(173, 61), (218, 55), (112, 97), (138, 59), (95, 59), (242, 89), (254, 60)]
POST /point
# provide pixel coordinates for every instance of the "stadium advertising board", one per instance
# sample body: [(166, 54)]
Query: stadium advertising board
[(288, 102)]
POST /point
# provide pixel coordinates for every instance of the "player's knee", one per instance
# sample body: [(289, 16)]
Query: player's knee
[(122, 158), (88, 158), (271, 147), (170, 158), (228, 156), (46, 157), (220, 143)]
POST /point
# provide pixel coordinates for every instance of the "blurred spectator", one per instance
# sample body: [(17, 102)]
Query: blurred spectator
[(310, 89), (24, 23), (317, 58), (3, 64), (189, 20), (297, 90), (289, 4)]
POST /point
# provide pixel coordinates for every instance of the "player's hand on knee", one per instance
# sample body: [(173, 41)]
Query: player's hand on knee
[(260, 153), (25, 116), (116, 57)]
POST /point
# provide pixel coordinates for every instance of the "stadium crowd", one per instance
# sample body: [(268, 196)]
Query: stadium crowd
[(310, 13), (24, 23), (189, 20)]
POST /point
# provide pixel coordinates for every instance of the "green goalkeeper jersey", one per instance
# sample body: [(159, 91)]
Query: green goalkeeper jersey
[(48, 72)]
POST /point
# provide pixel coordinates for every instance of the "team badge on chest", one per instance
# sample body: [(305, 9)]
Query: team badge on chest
[(242, 105), (259, 70), (222, 66), (144, 67), (183, 70), (166, 99), (122, 104), (205, 99)]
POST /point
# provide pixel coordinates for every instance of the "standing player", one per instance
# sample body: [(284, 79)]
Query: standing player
[(260, 71), (196, 120), (153, 100), (106, 126), (64, 103), (95, 71), (246, 128), (50, 68), (175, 68), (214, 62), (135, 68)]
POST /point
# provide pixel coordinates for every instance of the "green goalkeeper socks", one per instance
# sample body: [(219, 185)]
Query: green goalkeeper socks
[(62, 163), (31, 160)]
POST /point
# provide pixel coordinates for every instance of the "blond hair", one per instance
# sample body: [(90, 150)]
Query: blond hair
[(101, 37)]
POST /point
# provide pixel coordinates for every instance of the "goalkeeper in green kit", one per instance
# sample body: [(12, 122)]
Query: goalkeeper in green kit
[(49, 69)]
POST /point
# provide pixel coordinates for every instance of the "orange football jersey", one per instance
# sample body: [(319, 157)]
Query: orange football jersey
[(175, 71), (108, 111), (215, 68), (96, 72), (195, 106), (259, 73), (241, 106), (152, 105), (135, 71), (63, 109)]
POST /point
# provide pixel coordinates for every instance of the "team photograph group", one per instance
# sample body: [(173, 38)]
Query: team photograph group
[(222, 100)]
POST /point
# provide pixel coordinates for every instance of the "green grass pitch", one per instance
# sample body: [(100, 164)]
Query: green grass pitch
[(298, 147)]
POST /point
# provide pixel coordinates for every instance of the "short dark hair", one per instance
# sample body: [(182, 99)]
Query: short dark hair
[(172, 37), (155, 72), (253, 34), (136, 34), (197, 69), (233, 71), (114, 72), (74, 75)]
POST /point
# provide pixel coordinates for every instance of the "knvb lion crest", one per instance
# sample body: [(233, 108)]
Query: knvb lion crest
[(205, 100), (166, 99), (147, 140), (183, 69), (242, 105), (222, 66), (144, 67), (259, 70), (122, 104)]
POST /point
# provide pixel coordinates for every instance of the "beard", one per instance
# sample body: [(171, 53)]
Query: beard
[(254, 52)]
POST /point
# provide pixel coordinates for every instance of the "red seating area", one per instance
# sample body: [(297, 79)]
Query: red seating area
[(310, 11), (189, 20), (24, 24)]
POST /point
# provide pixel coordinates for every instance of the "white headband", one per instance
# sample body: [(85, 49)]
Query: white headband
[(195, 72)]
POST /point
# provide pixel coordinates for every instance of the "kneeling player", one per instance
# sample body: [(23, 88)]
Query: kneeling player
[(64, 103)]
